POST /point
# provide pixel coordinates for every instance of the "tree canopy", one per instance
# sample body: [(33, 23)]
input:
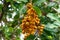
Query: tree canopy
[(12, 12)]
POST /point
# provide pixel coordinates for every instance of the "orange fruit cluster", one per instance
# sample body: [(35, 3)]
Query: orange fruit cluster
[(31, 22), (40, 29)]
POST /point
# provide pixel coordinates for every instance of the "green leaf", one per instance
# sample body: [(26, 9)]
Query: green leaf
[(17, 38), (22, 1), (16, 17), (18, 31), (22, 8), (38, 2), (51, 25), (57, 23), (0, 7), (49, 31), (9, 0), (53, 16), (9, 15), (58, 10), (10, 29), (38, 11), (51, 4), (14, 23), (45, 37), (45, 20), (31, 37), (6, 32)]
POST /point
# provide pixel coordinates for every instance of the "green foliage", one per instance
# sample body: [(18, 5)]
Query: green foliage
[(8, 0), (31, 37), (38, 2), (38, 11), (0, 7), (13, 11)]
